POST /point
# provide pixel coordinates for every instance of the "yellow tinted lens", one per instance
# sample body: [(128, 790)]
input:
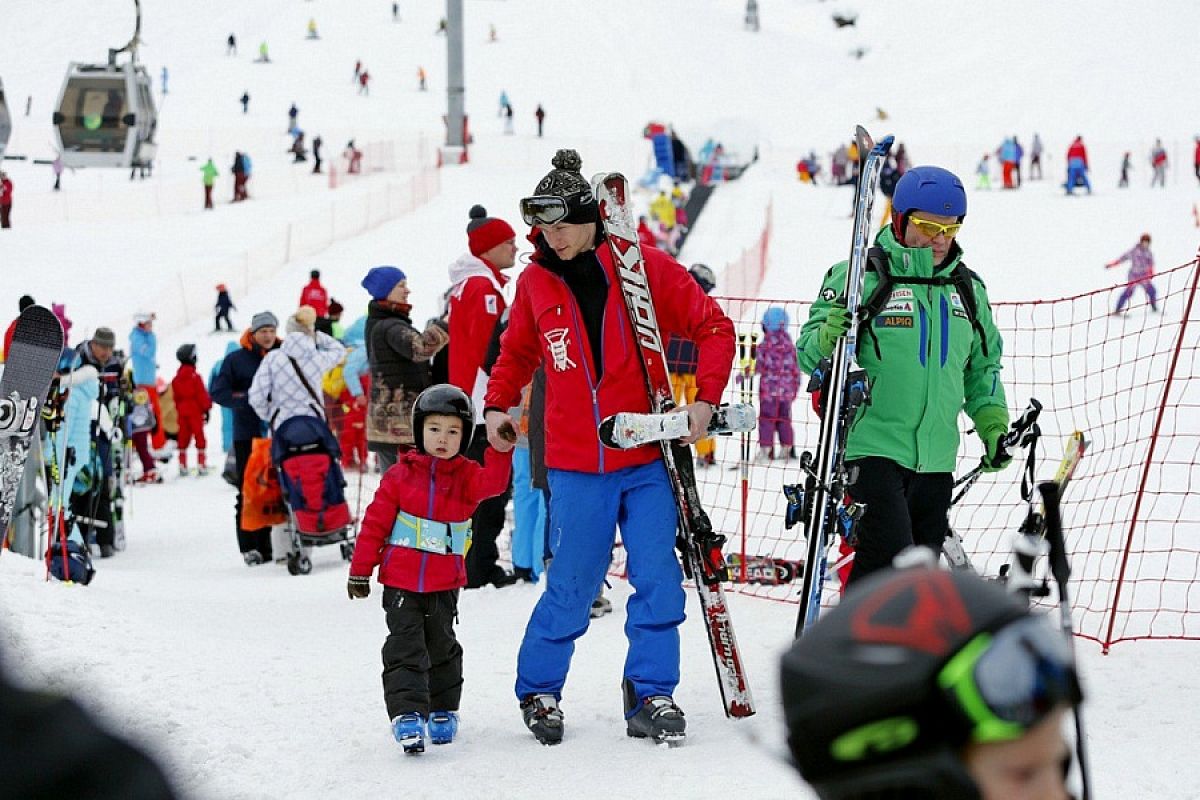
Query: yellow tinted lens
[(932, 229)]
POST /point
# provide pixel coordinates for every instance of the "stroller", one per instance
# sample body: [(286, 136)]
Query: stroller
[(307, 456)]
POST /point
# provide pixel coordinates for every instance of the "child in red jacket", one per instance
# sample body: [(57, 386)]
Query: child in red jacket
[(416, 531), (192, 405)]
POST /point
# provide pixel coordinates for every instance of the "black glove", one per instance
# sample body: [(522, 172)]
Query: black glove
[(358, 586)]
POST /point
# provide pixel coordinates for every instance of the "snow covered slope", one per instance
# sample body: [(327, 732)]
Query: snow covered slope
[(254, 684)]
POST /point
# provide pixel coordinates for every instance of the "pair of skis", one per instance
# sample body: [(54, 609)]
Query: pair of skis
[(820, 503), (700, 544)]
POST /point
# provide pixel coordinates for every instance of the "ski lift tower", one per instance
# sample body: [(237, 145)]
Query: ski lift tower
[(5, 122), (106, 115), (457, 138)]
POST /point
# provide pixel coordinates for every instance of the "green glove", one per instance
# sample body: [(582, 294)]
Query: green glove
[(837, 322), (991, 423)]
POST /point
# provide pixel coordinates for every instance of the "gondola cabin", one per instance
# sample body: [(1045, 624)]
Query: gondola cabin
[(106, 116)]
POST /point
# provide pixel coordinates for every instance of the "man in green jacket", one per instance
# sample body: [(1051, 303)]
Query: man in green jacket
[(930, 350)]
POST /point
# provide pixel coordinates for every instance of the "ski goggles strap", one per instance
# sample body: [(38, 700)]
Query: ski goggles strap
[(1004, 683), (544, 210)]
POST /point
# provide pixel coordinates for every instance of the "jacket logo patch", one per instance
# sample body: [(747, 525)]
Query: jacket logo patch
[(898, 307), (558, 342), (828, 294), (958, 312), (490, 305), (955, 300), (893, 322), (901, 294)]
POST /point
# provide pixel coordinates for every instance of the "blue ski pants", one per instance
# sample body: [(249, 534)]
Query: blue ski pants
[(529, 516), (585, 510)]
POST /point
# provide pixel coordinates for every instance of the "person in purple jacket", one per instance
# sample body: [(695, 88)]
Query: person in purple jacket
[(1141, 273), (779, 383)]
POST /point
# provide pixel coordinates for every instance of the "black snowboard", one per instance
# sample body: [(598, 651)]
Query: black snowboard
[(37, 344)]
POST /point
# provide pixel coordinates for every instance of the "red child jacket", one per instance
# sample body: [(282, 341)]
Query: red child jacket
[(545, 327), (444, 490), (191, 398)]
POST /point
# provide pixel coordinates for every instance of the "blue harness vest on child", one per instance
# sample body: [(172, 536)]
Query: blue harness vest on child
[(444, 538)]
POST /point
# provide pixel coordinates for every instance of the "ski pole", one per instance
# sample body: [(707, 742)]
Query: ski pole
[(1060, 568), (1023, 432)]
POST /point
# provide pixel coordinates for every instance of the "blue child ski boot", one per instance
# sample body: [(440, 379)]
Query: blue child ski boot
[(443, 726), (409, 730)]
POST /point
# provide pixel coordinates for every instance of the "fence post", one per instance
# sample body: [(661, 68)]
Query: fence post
[(1141, 491)]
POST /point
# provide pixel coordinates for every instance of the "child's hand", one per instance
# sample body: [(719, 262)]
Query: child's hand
[(358, 586)]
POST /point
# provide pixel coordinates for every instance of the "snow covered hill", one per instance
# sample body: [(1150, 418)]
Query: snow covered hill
[(255, 684)]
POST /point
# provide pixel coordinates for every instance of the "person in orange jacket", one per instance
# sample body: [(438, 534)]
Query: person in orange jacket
[(192, 405)]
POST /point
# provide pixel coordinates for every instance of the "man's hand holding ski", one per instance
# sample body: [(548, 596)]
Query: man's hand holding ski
[(699, 415), (837, 322)]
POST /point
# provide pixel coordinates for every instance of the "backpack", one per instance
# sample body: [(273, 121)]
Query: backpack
[(262, 496), (961, 278), (78, 566)]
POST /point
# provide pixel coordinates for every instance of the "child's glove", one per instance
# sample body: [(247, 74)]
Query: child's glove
[(358, 586), (991, 423), (837, 322)]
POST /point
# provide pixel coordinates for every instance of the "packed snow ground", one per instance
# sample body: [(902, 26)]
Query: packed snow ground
[(252, 683)]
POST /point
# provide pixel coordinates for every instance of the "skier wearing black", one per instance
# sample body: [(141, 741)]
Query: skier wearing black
[(223, 306), (930, 684)]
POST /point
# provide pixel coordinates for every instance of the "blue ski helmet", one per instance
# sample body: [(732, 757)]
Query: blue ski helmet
[(931, 189), (775, 319)]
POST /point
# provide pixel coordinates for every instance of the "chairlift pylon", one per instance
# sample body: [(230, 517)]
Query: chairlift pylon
[(105, 116)]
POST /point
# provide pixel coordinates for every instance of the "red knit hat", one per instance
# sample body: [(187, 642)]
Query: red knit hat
[(484, 232)]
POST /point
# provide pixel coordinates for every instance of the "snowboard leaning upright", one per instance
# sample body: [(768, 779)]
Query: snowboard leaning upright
[(37, 344)]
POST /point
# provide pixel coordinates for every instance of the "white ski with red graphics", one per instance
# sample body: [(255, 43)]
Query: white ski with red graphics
[(628, 429), (700, 545)]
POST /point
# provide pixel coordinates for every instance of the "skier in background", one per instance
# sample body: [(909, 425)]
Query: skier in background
[(245, 101), (223, 306), (293, 113), (6, 200), (208, 174), (239, 177), (1126, 165), (508, 119), (1035, 158), (421, 78), (1077, 166), (1141, 273), (231, 45), (570, 272), (503, 103), (540, 115), (1158, 160), (977, 684), (192, 405), (904, 444), (316, 151), (983, 173), (315, 295), (778, 385)]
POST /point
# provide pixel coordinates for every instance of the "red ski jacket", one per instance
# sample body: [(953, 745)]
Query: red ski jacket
[(314, 295), (191, 398), (444, 490), (475, 307), (545, 326), (1077, 150)]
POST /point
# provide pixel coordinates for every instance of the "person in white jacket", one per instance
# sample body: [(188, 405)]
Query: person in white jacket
[(288, 383)]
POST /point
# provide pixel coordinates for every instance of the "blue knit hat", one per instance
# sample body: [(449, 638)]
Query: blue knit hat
[(380, 281)]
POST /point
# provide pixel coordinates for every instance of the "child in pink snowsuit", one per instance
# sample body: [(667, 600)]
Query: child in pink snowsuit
[(1141, 273), (779, 383)]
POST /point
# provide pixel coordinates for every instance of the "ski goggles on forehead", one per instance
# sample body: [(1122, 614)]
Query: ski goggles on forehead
[(932, 229), (544, 210), (1006, 682)]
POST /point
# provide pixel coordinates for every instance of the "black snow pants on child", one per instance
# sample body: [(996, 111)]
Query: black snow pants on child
[(422, 659)]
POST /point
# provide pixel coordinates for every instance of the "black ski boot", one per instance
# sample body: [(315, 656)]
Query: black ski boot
[(543, 717), (656, 717)]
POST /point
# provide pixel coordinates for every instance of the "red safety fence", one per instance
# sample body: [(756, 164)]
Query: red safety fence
[(1130, 383)]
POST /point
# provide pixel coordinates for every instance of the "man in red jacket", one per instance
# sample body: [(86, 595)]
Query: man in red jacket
[(314, 294), (476, 303), (415, 531), (568, 314)]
